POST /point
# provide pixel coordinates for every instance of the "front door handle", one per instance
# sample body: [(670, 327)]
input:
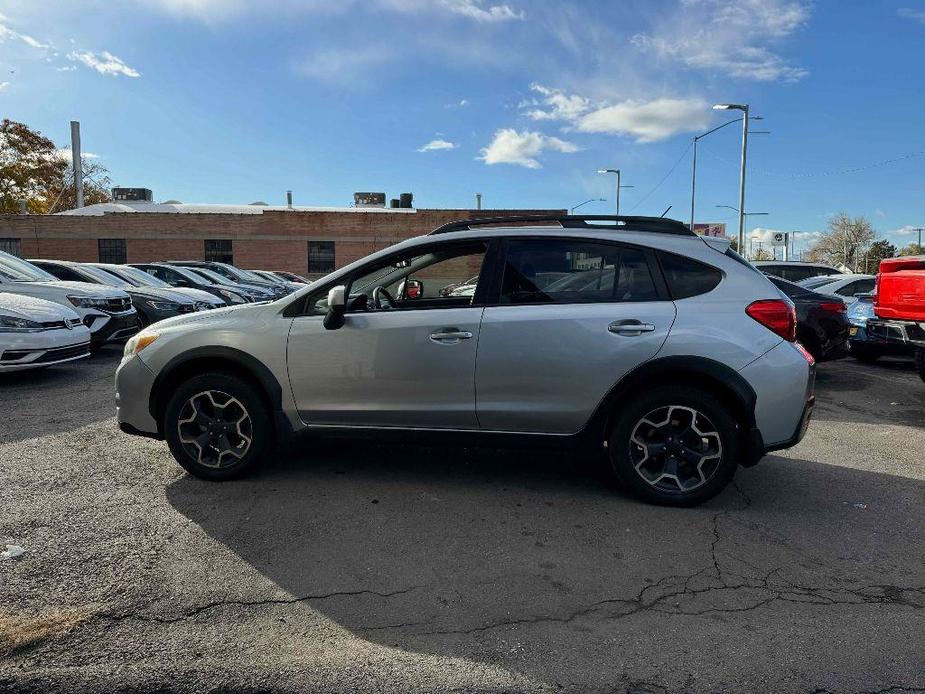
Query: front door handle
[(450, 336), (630, 327)]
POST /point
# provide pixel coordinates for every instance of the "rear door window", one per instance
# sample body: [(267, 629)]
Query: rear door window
[(570, 271), (686, 277)]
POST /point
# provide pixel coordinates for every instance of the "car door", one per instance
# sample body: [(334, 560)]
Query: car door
[(571, 317), (396, 361)]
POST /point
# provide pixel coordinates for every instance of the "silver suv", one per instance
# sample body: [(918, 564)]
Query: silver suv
[(663, 350)]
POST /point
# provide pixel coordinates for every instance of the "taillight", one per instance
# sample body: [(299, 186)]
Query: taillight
[(806, 355), (833, 306), (776, 315)]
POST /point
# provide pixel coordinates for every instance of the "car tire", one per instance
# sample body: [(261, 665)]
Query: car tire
[(664, 470), (217, 426)]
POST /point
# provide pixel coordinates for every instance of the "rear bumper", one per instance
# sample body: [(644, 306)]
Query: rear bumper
[(896, 332)]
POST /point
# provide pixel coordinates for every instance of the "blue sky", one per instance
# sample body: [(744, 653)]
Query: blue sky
[(521, 100)]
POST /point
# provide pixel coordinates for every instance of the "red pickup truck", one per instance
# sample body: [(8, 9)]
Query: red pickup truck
[(899, 305)]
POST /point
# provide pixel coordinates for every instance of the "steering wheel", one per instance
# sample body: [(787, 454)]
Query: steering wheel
[(382, 299)]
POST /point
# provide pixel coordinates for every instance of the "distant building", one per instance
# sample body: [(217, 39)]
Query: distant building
[(717, 229), (309, 241)]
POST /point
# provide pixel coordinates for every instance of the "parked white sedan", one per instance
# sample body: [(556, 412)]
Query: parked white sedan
[(846, 286), (36, 333)]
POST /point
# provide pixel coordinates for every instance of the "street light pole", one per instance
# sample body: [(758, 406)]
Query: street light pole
[(586, 202), (619, 184), (694, 178), (744, 109)]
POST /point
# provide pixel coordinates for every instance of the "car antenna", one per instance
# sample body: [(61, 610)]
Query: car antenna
[(666, 211)]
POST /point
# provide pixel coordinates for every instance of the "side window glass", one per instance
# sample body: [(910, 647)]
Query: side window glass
[(848, 289), (564, 271), (440, 277), (686, 277)]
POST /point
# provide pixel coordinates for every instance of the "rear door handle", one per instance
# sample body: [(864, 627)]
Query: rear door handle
[(450, 336), (630, 327)]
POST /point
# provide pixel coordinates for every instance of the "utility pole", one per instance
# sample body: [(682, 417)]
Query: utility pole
[(76, 162), (920, 230)]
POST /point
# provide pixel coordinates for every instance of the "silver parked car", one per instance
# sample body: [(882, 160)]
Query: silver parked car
[(663, 349)]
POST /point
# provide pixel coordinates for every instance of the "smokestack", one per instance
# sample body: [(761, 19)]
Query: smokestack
[(478, 201), (289, 199), (76, 162)]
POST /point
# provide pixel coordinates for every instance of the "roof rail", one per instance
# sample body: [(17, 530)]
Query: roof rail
[(599, 221)]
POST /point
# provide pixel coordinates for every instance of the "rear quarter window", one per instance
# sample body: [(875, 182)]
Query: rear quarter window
[(686, 277)]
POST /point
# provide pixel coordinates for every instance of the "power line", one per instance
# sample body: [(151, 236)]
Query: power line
[(664, 178), (822, 174)]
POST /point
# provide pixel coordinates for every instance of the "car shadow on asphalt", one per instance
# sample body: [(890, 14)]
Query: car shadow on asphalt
[(447, 551)]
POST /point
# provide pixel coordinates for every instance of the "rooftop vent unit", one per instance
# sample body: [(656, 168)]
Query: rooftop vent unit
[(406, 200), (369, 199), (132, 195)]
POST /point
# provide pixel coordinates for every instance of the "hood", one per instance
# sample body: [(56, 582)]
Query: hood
[(159, 294), (87, 289), (199, 316), (31, 308)]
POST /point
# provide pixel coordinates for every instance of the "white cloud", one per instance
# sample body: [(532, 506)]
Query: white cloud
[(910, 13), (4, 85), (437, 145), (559, 106), (647, 121), (66, 68), (345, 66), (29, 41), (65, 154), (9, 34), (907, 230), (735, 37), (522, 148), (105, 63), (476, 9)]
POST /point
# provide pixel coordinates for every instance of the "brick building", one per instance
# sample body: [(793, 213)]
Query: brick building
[(307, 241)]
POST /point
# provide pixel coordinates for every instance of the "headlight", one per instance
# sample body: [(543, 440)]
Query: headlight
[(88, 302), (163, 305), (9, 324), (138, 342)]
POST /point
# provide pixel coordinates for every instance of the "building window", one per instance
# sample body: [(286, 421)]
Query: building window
[(320, 257), (112, 251), (11, 246), (219, 251)]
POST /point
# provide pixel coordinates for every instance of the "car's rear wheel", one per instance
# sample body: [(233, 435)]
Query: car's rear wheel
[(217, 426), (675, 446)]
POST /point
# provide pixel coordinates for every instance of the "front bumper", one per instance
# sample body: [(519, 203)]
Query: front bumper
[(32, 350), (120, 326), (134, 381)]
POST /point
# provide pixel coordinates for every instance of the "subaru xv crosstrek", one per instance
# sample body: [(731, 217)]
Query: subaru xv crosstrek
[(632, 336)]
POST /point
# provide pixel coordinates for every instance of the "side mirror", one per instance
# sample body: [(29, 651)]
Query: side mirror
[(337, 307), (414, 289)]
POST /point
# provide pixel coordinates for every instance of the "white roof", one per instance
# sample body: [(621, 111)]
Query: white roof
[(199, 208)]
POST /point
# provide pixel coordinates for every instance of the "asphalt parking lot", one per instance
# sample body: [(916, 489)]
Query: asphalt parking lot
[(369, 568)]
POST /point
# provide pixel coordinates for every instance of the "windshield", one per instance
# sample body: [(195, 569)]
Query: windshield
[(104, 277), (137, 277), (15, 269), (818, 281), (209, 275)]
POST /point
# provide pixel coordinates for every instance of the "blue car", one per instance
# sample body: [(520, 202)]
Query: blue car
[(864, 346)]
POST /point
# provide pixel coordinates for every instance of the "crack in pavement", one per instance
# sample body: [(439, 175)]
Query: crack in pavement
[(247, 603)]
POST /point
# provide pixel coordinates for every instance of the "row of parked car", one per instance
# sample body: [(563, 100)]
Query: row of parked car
[(54, 311)]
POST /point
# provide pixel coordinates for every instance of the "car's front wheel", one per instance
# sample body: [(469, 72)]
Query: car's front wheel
[(217, 426), (675, 446)]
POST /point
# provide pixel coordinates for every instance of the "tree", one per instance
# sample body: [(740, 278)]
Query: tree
[(34, 170), (29, 167), (845, 243), (913, 249), (63, 194), (763, 254), (878, 250)]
